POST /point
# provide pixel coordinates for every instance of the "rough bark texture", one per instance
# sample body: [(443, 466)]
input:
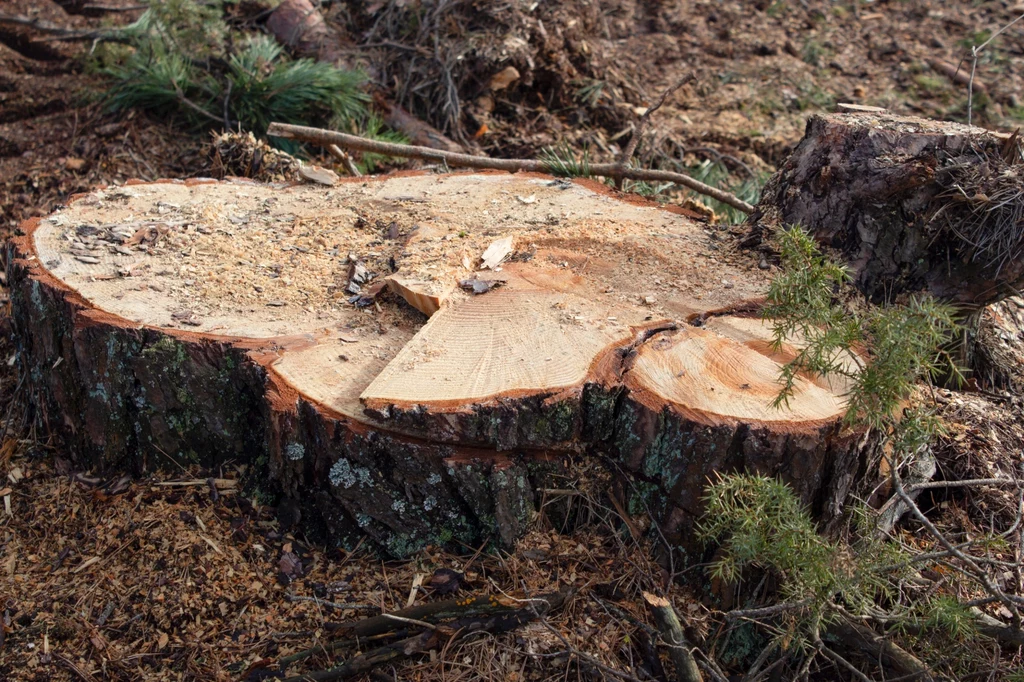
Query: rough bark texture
[(910, 204), (134, 396)]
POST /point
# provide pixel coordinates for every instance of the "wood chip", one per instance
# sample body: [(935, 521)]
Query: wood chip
[(497, 252), (504, 78), (321, 176), (86, 564), (211, 543), (480, 286)]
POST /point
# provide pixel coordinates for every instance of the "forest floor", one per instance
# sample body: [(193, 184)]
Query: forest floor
[(168, 578)]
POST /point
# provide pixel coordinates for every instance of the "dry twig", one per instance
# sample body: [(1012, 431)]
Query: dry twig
[(641, 125), (613, 170), (672, 631), (62, 32)]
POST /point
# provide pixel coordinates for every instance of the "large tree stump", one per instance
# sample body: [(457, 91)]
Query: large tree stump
[(910, 204), (320, 336)]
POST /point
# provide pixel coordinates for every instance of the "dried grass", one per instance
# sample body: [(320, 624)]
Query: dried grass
[(981, 205)]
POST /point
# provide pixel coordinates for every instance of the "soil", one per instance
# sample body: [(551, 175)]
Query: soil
[(127, 580)]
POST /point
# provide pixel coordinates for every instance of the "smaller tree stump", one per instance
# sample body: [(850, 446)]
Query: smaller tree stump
[(911, 204), (407, 359)]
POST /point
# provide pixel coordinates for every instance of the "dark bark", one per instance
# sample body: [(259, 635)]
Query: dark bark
[(885, 192)]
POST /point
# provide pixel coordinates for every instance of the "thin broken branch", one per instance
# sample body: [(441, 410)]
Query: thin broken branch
[(346, 161), (62, 32), (453, 159), (857, 637), (641, 126), (680, 650), (437, 637)]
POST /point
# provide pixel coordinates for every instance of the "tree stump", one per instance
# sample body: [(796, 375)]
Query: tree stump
[(911, 204), (408, 359)]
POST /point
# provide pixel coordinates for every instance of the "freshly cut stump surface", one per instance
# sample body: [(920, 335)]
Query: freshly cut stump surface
[(410, 358)]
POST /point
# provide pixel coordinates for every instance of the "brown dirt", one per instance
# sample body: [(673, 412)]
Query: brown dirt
[(187, 588), (585, 69)]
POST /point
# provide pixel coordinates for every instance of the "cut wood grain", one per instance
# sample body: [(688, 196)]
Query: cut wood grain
[(240, 327)]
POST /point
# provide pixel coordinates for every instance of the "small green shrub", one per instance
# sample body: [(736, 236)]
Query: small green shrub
[(561, 161), (761, 525), (884, 350)]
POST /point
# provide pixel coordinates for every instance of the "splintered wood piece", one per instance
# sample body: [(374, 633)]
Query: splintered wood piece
[(680, 650), (232, 321), (497, 252), (322, 176), (426, 297)]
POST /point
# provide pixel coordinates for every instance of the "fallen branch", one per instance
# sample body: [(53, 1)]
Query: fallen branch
[(439, 637), (62, 32), (954, 74), (346, 161), (220, 483), (921, 471), (736, 614), (384, 625), (1002, 633), (877, 648), (434, 612), (966, 483), (300, 26), (672, 632), (454, 159)]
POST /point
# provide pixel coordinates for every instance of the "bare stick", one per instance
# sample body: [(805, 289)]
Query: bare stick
[(62, 32), (975, 51), (115, 8), (345, 159), (766, 611), (966, 483), (641, 125), (327, 137), (672, 632)]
